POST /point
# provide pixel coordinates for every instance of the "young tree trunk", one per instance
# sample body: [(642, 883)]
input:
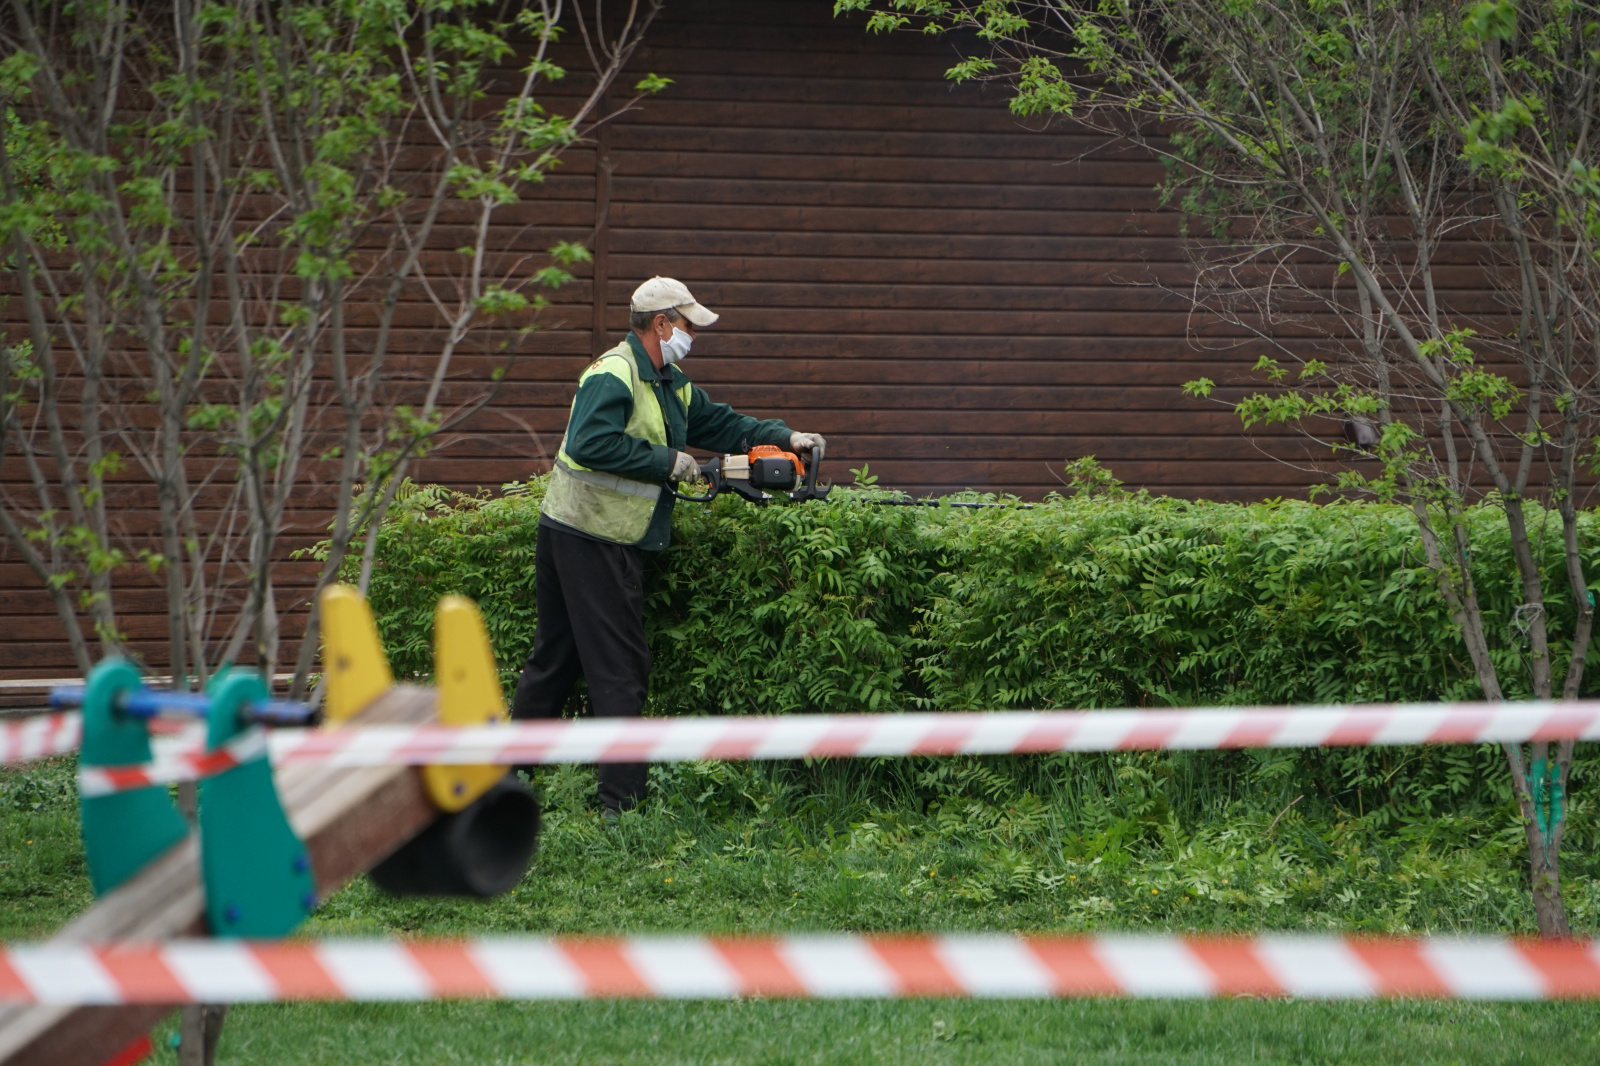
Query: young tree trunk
[(1544, 849)]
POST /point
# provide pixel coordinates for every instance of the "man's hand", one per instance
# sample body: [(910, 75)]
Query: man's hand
[(684, 468), (802, 443)]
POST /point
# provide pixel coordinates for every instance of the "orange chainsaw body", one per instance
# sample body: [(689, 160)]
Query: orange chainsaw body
[(763, 467), (772, 451)]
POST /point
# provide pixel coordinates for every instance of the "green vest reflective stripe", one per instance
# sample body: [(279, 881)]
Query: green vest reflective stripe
[(614, 482), (605, 505)]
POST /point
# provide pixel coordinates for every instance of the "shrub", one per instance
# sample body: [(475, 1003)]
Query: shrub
[(1088, 601), (1091, 601)]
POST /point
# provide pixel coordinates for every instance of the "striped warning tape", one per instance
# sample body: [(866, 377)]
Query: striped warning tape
[(45, 736), (990, 965), (866, 735), (842, 736), (40, 737), (186, 759)]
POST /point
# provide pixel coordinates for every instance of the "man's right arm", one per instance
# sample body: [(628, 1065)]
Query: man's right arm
[(596, 437)]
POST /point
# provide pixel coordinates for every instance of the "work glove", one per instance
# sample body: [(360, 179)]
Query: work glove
[(684, 468), (802, 443)]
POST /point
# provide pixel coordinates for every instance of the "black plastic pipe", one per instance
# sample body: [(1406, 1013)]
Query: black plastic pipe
[(482, 850)]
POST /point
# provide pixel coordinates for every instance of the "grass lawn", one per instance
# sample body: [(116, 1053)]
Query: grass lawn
[(915, 1031), (952, 845)]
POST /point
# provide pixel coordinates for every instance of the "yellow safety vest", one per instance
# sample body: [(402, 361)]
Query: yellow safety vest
[(604, 505)]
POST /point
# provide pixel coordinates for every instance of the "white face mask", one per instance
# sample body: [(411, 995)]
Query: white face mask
[(676, 347)]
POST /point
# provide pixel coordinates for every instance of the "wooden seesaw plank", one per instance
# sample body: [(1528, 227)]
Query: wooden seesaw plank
[(349, 819)]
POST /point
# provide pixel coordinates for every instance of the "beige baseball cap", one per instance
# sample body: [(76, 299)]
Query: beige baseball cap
[(659, 293)]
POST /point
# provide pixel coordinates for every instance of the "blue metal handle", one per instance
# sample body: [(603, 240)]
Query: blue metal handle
[(65, 696), (150, 702), (280, 711)]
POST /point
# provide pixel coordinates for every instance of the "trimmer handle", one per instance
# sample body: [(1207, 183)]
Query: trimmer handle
[(809, 490), (711, 470)]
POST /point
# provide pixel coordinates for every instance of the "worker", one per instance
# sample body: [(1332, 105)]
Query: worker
[(607, 506)]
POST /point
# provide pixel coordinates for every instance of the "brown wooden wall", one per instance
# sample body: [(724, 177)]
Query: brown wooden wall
[(948, 295)]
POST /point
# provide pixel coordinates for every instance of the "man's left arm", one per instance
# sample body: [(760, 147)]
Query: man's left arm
[(717, 427)]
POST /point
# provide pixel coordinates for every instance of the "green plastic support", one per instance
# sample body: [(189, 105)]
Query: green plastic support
[(257, 872), (124, 831)]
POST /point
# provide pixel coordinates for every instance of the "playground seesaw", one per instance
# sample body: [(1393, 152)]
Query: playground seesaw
[(270, 845)]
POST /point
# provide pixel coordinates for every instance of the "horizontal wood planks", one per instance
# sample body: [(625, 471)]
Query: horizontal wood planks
[(954, 297)]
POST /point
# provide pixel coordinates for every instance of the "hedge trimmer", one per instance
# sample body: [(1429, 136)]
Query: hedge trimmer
[(763, 467), (766, 466)]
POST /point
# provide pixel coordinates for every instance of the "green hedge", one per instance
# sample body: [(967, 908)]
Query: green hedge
[(1102, 601), (1082, 602)]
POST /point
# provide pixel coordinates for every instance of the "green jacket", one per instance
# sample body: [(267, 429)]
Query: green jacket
[(608, 435)]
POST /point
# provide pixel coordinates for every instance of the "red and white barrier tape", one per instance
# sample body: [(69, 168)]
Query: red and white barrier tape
[(40, 737), (867, 735), (985, 965), (184, 759), (954, 733), (840, 736), (47, 735)]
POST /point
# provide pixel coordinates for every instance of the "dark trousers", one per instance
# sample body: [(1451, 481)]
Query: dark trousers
[(591, 622)]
